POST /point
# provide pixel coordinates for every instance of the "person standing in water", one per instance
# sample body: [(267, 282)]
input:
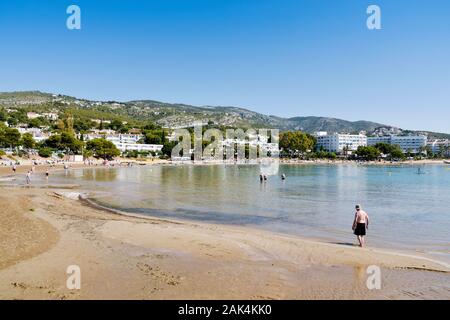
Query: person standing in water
[(360, 224), (46, 174), (28, 177)]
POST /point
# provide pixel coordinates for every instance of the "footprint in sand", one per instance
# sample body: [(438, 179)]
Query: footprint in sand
[(157, 274)]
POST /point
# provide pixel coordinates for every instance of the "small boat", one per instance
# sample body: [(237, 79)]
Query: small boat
[(447, 161)]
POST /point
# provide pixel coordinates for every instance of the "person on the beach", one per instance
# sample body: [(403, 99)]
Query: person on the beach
[(14, 168), (360, 224), (28, 177), (46, 174)]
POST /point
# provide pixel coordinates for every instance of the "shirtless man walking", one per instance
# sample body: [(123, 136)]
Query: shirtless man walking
[(360, 224)]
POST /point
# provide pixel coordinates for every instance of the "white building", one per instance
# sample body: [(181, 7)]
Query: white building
[(33, 115), (50, 115), (412, 144), (124, 138), (74, 158), (101, 121), (140, 147), (371, 141), (440, 145), (102, 132), (127, 142), (37, 133), (47, 115), (338, 142), (113, 137), (260, 142)]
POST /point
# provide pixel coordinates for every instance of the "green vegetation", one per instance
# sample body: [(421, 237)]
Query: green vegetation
[(83, 125), (9, 137), (393, 152), (156, 136), (295, 143), (167, 148), (138, 154), (39, 122), (369, 153), (80, 117), (45, 152), (102, 148), (27, 141), (3, 115), (137, 113), (64, 141)]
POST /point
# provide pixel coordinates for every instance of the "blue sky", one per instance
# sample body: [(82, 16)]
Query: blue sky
[(280, 57)]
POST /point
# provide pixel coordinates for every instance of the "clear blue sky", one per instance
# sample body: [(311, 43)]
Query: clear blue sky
[(287, 58)]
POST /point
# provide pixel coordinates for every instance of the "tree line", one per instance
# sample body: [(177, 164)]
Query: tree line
[(293, 144)]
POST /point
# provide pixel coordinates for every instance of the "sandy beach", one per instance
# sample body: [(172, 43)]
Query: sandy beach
[(43, 231)]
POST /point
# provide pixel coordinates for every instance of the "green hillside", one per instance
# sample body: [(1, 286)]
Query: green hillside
[(174, 115)]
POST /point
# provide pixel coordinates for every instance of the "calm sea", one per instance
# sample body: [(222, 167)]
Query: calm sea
[(409, 206)]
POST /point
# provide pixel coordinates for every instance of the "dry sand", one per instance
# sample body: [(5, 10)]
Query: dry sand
[(43, 231)]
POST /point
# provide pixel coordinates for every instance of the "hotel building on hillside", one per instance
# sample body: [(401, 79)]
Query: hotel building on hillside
[(127, 142), (439, 145), (38, 134), (140, 147), (413, 144), (339, 142)]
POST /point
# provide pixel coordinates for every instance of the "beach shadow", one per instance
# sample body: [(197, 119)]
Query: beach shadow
[(345, 244)]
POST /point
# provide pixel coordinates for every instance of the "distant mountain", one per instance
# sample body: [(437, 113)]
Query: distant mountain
[(311, 124), (177, 115)]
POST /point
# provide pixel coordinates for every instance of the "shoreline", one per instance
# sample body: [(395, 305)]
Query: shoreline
[(124, 255), (90, 201), (396, 252), (187, 260), (86, 197), (6, 171)]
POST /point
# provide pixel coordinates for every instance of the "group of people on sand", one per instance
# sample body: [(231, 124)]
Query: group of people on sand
[(30, 173)]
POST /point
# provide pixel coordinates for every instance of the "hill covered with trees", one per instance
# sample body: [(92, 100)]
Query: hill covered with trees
[(139, 112)]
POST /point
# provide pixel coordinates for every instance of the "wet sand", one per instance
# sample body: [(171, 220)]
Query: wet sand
[(43, 231)]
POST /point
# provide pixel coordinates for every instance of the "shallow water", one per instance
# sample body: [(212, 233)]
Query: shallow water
[(408, 210)]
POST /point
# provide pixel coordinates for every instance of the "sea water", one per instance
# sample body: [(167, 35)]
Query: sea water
[(409, 208)]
